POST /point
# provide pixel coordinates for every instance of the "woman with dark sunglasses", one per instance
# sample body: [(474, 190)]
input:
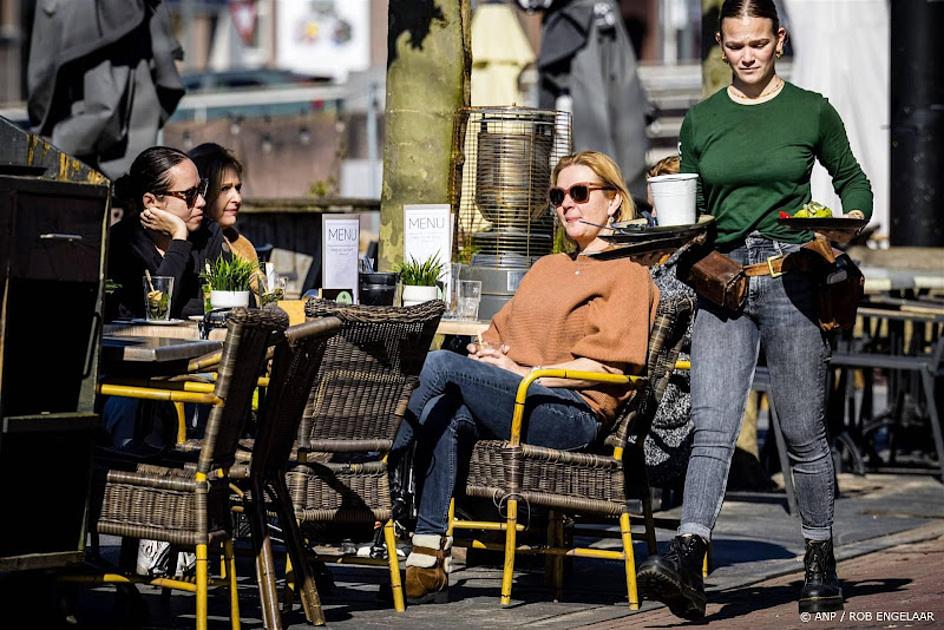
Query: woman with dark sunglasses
[(753, 146), (163, 199), (570, 311)]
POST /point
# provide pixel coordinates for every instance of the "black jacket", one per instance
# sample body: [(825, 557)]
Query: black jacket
[(131, 251)]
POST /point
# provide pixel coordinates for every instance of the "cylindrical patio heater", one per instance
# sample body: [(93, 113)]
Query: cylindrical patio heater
[(508, 153)]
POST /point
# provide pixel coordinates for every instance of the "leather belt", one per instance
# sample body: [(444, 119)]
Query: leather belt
[(773, 267)]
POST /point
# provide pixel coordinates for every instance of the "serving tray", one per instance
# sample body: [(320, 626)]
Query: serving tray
[(631, 233)]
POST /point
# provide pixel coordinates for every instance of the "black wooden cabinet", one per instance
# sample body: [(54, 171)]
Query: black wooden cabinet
[(52, 238)]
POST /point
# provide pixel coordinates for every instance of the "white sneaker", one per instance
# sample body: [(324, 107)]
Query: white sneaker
[(153, 557), (186, 564)]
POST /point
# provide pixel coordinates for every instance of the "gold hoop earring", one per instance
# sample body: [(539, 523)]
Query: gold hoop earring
[(779, 54), (724, 59)]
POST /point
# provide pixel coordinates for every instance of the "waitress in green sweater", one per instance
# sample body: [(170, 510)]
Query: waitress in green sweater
[(753, 146)]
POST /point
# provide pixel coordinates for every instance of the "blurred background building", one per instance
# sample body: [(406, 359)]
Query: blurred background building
[(296, 87)]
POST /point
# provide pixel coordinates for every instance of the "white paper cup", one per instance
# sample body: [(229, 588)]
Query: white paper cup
[(673, 197)]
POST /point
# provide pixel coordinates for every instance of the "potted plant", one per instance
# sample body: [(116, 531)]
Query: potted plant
[(229, 281), (419, 280)]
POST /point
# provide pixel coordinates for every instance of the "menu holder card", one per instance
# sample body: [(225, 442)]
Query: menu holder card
[(340, 234), (427, 232)]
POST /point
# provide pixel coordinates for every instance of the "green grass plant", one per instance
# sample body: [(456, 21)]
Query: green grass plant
[(420, 274), (229, 274)]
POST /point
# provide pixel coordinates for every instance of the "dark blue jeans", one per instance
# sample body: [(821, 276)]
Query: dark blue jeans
[(461, 400), (780, 315)]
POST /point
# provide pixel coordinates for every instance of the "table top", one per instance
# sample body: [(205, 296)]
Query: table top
[(183, 330), (469, 328), (879, 279), (139, 349), (902, 315)]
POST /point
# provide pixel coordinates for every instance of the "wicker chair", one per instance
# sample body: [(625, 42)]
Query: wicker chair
[(368, 373), (601, 482), (189, 506), (294, 369)]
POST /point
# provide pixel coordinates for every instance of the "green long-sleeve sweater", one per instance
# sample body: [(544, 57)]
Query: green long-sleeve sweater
[(755, 160)]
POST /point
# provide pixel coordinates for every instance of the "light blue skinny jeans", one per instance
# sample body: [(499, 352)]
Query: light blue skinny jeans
[(461, 400), (780, 315)]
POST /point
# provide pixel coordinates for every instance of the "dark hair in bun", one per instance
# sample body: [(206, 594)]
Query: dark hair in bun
[(148, 173), (750, 8)]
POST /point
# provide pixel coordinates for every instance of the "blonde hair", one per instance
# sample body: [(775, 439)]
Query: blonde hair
[(609, 173), (666, 166)]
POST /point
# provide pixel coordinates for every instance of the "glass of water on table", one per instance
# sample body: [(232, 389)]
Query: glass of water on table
[(468, 297)]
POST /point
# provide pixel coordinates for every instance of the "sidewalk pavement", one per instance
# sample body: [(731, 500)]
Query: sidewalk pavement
[(896, 587), (889, 539)]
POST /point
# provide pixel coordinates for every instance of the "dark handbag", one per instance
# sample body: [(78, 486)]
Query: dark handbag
[(840, 292), (841, 285), (714, 277)]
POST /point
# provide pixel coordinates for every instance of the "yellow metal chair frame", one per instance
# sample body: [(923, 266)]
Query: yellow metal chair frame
[(556, 531), (201, 583), (255, 331), (178, 392)]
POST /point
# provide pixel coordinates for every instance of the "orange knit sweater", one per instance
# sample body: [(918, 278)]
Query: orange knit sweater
[(566, 308)]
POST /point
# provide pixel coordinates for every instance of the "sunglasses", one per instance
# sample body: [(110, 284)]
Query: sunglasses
[(580, 193), (190, 195)]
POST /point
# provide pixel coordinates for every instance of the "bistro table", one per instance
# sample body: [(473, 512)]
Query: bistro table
[(903, 270), (464, 327), (912, 352), (134, 364), (135, 355)]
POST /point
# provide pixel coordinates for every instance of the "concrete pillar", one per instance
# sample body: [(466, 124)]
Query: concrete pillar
[(429, 60)]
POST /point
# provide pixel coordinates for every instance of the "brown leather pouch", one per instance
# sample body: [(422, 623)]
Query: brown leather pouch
[(714, 277)]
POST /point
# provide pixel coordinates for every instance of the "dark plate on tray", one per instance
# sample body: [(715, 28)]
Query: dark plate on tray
[(827, 223), (639, 232), (645, 251)]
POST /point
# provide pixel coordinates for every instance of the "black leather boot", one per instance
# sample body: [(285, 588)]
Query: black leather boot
[(821, 591), (675, 579)]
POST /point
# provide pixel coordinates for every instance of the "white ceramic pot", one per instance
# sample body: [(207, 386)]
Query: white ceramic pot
[(229, 299), (417, 295)]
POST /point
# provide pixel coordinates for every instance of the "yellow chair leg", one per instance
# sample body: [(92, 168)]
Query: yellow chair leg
[(510, 545), (395, 584), (450, 519), (202, 587), (630, 561), (229, 561), (288, 593), (181, 423)]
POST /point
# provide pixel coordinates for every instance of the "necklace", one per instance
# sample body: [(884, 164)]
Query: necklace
[(772, 89)]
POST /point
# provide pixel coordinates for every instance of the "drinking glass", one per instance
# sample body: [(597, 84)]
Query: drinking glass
[(468, 296), (451, 292), (157, 294)]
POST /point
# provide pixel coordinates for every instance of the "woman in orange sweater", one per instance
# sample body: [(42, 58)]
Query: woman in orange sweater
[(570, 311)]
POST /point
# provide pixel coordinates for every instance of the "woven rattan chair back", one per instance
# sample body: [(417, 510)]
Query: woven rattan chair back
[(668, 331), (368, 372), (249, 334), (294, 368)]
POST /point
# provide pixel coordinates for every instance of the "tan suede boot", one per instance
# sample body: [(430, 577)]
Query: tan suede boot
[(427, 576)]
